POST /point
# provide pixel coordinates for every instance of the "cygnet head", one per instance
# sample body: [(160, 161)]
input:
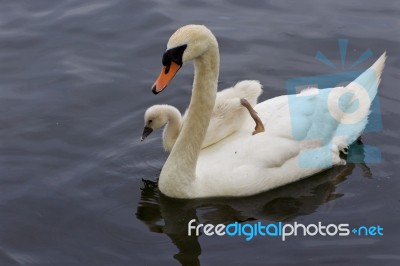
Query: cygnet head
[(186, 44), (154, 117)]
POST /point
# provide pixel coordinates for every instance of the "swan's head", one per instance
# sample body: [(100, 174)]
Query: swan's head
[(154, 118), (186, 44)]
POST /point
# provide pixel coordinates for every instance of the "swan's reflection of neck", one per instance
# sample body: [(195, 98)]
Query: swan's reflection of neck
[(171, 216)]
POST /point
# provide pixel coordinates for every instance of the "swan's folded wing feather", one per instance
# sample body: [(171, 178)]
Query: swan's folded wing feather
[(270, 159)]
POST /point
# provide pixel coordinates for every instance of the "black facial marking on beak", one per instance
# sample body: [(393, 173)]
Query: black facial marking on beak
[(172, 61), (146, 132), (174, 54)]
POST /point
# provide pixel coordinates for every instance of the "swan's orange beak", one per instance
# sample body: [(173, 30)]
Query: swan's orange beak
[(165, 77)]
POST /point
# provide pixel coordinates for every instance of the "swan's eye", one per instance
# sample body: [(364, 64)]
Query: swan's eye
[(150, 121)]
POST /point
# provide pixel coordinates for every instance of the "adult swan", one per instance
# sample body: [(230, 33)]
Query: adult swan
[(244, 164)]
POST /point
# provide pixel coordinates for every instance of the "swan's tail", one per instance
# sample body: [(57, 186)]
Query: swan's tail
[(370, 78), (351, 105)]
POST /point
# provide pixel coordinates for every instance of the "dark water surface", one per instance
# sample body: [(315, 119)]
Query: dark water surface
[(75, 80)]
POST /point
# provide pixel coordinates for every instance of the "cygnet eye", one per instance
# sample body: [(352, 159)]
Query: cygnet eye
[(150, 121)]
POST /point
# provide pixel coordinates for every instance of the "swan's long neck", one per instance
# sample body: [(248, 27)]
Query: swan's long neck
[(172, 129), (179, 171)]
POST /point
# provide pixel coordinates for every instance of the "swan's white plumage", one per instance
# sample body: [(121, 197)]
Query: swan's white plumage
[(242, 164), (270, 159), (228, 114)]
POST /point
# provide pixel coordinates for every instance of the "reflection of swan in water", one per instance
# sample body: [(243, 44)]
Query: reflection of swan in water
[(171, 216)]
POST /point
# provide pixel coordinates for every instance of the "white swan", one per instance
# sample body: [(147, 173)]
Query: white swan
[(296, 144), (228, 115)]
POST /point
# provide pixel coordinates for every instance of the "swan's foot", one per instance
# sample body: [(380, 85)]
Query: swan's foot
[(259, 124)]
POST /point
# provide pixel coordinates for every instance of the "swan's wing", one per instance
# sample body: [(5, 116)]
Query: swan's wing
[(242, 164), (304, 134), (316, 119), (228, 116), (246, 89), (228, 113), (263, 161)]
